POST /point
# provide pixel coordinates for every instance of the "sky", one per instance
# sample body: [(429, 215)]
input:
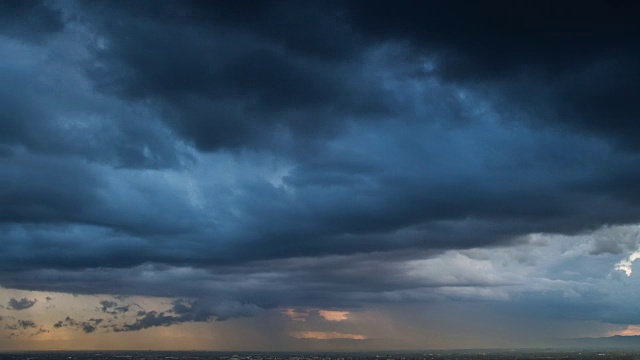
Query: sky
[(318, 175)]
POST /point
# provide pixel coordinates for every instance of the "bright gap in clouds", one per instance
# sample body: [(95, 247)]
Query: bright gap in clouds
[(626, 265)]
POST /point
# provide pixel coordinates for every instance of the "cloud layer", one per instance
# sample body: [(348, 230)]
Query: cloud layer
[(328, 156)]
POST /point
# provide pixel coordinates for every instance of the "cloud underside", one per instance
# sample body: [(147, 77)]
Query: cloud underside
[(335, 153)]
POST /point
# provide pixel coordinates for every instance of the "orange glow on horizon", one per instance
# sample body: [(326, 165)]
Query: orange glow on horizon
[(297, 314), (330, 315), (631, 330), (325, 335)]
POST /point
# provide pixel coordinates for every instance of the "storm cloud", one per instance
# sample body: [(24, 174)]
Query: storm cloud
[(249, 156), (21, 304)]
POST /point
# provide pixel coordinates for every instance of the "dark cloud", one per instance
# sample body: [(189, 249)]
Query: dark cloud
[(107, 304), (180, 312), (30, 20), (571, 63), (86, 326), (188, 311), (354, 178), (21, 304), (68, 321), (340, 281), (245, 86), (150, 319), (255, 155), (496, 36), (95, 128), (35, 200), (26, 324), (112, 307), (39, 331), (22, 325), (116, 311)]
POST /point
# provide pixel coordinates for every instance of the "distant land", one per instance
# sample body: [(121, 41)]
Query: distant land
[(525, 354), (616, 347), (615, 342)]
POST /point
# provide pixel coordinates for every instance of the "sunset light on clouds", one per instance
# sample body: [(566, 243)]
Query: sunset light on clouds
[(631, 330), (323, 335), (334, 315)]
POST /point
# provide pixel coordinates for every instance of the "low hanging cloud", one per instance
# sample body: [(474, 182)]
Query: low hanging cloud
[(87, 327), (21, 304), (188, 311), (25, 324), (113, 308), (151, 319)]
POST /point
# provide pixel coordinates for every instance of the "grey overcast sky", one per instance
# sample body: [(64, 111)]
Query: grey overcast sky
[(288, 175)]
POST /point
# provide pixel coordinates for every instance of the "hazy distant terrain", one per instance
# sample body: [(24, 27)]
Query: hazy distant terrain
[(458, 355), (613, 342)]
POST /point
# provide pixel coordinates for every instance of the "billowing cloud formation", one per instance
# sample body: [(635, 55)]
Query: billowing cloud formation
[(322, 156), (185, 311)]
